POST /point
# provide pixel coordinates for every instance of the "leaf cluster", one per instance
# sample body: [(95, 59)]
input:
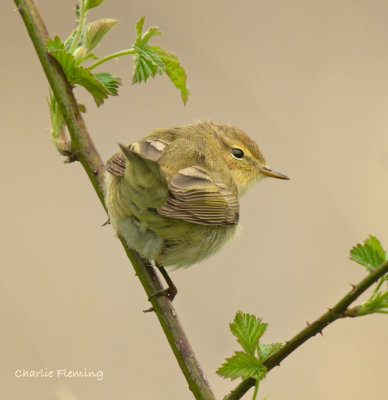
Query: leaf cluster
[(99, 85), (248, 363), (152, 60), (371, 255), (77, 49)]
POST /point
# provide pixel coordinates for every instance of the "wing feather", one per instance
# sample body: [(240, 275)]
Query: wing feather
[(196, 197), (149, 149)]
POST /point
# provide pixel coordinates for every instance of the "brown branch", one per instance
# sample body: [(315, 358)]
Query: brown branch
[(340, 310), (84, 150)]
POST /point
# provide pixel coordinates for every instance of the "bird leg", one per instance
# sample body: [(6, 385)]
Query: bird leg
[(171, 291)]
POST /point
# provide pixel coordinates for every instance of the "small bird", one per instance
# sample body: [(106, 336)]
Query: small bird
[(174, 195)]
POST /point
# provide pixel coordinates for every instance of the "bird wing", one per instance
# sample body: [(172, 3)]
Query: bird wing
[(116, 165), (148, 149), (196, 197), (193, 196)]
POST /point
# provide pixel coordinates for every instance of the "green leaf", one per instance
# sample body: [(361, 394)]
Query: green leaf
[(85, 78), (266, 350), (143, 38), (370, 254), (375, 243), (378, 303), (110, 82), (139, 26), (66, 61), (95, 31), (80, 75), (92, 3), (99, 86), (248, 329), (174, 71), (57, 120), (146, 36), (54, 44), (150, 60), (147, 63), (242, 365)]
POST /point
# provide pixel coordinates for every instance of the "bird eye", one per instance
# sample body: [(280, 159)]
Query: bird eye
[(238, 153)]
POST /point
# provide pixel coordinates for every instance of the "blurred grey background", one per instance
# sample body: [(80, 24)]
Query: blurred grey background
[(308, 80)]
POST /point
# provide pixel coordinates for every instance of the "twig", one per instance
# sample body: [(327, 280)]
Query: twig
[(84, 150), (340, 310)]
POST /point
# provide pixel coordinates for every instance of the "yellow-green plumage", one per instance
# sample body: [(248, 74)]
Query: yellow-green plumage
[(174, 195)]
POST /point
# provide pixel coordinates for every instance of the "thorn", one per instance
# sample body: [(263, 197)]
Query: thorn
[(106, 222), (286, 342), (321, 333), (19, 8), (307, 323), (329, 309), (352, 285), (149, 310)]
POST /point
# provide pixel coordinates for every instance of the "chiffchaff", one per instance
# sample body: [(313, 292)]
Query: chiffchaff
[(174, 196)]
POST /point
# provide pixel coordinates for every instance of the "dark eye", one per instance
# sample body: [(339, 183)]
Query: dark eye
[(238, 153)]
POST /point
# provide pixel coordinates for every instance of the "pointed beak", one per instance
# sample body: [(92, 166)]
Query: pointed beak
[(268, 171)]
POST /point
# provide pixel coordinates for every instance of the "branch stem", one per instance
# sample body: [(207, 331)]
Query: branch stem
[(80, 27), (83, 148), (256, 390), (110, 56), (340, 310)]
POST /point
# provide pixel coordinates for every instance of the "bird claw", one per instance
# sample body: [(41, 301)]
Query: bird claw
[(169, 292)]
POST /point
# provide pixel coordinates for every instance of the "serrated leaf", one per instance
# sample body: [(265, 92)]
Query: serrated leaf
[(99, 87), (143, 38), (150, 60), (92, 3), (85, 78), (174, 71), (376, 245), (242, 365), (248, 329), (370, 254), (266, 350), (146, 36), (54, 43), (95, 31), (66, 61), (110, 82), (147, 63), (139, 26)]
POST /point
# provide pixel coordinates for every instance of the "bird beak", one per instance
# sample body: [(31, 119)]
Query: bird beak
[(268, 171)]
